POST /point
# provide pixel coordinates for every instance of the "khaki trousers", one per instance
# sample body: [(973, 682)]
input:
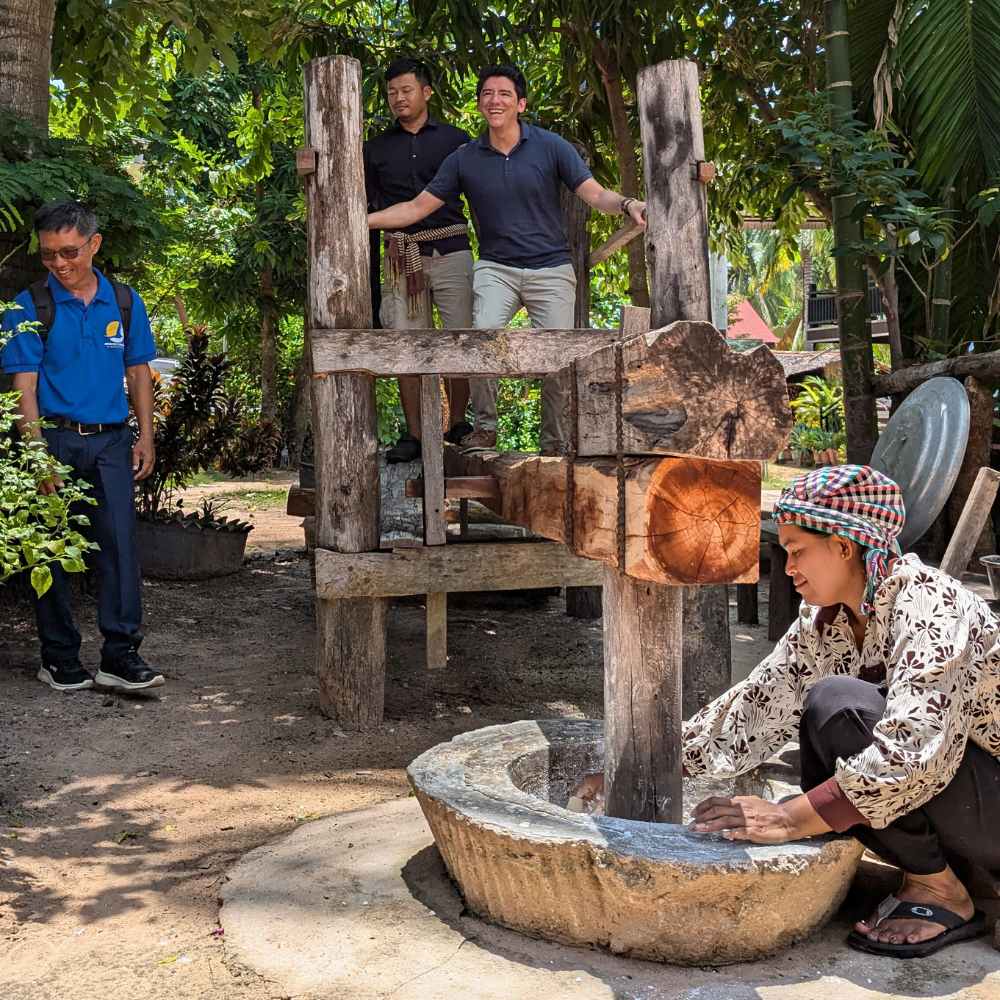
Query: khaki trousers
[(549, 296), (448, 278)]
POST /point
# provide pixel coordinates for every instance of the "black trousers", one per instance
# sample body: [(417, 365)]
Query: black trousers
[(103, 462), (961, 824)]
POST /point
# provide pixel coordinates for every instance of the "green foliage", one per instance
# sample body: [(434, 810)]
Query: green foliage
[(37, 530), (35, 169), (819, 405), (197, 425), (519, 414)]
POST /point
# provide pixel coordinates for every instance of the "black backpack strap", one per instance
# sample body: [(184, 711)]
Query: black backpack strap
[(45, 307), (123, 296)]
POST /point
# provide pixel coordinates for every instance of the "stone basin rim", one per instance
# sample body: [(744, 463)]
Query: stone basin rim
[(471, 775)]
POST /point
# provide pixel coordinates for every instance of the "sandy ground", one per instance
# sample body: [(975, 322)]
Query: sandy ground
[(119, 817)]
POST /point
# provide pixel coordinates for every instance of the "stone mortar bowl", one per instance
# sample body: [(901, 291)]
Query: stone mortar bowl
[(494, 801)]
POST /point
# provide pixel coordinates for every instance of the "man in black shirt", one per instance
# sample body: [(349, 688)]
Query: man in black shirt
[(428, 262)]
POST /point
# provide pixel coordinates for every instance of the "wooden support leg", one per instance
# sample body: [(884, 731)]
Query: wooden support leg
[(437, 631), (642, 699), (746, 604), (783, 601), (583, 602), (435, 530)]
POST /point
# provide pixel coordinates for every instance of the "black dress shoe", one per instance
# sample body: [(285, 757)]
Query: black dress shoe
[(129, 672), (406, 449), (455, 435), (68, 676)]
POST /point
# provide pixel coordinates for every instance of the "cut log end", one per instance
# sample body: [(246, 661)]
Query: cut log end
[(703, 521)]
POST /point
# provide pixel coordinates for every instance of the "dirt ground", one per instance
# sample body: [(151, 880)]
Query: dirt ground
[(119, 816)]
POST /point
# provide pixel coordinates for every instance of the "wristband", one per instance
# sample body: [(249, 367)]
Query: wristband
[(625, 204)]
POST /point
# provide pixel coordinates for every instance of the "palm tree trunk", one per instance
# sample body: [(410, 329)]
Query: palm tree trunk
[(852, 306), (268, 348), (628, 164), (25, 58)]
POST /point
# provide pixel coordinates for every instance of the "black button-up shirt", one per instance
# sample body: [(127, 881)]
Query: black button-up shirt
[(400, 164)]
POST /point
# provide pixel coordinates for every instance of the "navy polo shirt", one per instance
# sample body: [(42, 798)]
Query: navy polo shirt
[(81, 369), (515, 197), (399, 165)]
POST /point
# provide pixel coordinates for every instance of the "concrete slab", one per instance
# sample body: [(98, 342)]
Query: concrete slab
[(358, 907)]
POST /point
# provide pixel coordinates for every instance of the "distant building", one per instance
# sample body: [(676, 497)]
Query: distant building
[(745, 324)]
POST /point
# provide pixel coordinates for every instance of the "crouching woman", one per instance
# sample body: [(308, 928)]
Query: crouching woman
[(890, 681)]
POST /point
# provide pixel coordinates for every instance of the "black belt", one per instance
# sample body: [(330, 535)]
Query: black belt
[(75, 425)]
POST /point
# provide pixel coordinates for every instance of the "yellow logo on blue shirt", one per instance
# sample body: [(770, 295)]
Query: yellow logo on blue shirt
[(113, 334)]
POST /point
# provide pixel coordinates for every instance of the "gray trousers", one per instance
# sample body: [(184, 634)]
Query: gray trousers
[(549, 296)]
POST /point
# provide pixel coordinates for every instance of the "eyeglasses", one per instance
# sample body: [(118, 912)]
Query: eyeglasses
[(67, 253)]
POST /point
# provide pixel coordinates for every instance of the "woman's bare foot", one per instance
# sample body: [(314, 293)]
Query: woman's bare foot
[(943, 889)]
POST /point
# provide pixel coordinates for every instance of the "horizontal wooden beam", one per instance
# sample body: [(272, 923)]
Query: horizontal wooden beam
[(985, 366), (513, 353), (619, 239), (459, 488), (687, 521), (451, 569)]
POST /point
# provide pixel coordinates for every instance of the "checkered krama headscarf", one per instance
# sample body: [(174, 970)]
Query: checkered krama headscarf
[(855, 501)]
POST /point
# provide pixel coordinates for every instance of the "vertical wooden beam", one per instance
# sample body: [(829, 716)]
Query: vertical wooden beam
[(435, 529), (642, 699), (680, 279), (642, 682), (581, 602), (350, 633), (970, 525)]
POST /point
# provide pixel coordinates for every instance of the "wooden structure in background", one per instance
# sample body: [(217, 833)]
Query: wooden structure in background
[(660, 484)]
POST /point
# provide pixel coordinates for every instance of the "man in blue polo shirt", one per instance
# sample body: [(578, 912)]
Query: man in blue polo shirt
[(73, 377), (511, 177)]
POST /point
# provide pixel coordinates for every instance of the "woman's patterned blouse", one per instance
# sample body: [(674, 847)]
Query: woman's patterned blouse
[(937, 646)]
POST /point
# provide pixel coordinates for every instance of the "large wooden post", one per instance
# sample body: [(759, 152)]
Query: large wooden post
[(644, 624), (350, 633)]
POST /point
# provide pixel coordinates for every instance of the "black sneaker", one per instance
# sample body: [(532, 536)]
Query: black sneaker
[(455, 435), (406, 449), (69, 676), (129, 672)]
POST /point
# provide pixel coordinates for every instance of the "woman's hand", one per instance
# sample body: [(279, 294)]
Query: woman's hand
[(747, 817)]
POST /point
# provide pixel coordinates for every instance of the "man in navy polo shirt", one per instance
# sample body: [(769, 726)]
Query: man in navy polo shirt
[(512, 176), (74, 380)]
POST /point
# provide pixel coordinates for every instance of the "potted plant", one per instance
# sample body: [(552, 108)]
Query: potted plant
[(197, 425), (36, 530)]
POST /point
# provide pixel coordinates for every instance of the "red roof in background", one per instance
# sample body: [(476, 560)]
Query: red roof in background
[(746, 324)]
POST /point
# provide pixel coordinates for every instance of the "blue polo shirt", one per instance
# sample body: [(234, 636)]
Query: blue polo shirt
[(515, 197), (81, 369)]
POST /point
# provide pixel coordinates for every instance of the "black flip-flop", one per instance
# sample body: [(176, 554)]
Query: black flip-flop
[(891, 908)]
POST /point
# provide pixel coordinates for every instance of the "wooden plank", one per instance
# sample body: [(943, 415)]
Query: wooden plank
[(459, 488), (516, 353), (617, 241), (350, 634), (432, 459), (971, 523), (684, 391), (437, 631), (450, 568), (642, 697), (978, 453), (985, 366), (687, 520)]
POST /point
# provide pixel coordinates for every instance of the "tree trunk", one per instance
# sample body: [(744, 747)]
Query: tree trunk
[(852, 285), (628, 165), (25, 58), (301, 402), (268, 347)]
